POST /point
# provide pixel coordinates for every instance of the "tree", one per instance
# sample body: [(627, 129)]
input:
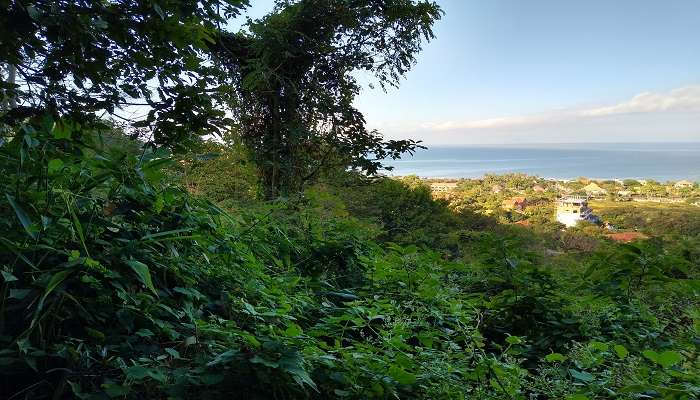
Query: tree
[(83, 58), (294, 80)]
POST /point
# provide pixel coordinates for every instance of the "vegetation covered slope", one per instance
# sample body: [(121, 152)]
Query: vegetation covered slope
[(120, 284)]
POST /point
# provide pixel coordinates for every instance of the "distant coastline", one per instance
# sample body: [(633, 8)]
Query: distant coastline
[(557, 161)]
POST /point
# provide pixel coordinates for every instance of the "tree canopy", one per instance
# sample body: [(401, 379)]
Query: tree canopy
[(90, 58), (295, 78)]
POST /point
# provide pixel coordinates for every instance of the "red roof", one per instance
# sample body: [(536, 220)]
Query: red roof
[(626, 237)]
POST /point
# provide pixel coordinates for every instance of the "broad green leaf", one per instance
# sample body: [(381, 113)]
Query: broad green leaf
[(8, 277), (144, 332), (19, 294), (581, 375), (143, 272), (598, 346), (293, 330), (555, 357), (669, 358), (401, 376), (651, 355), (62, 130), (264, 361), (514, 340), (55, 165), (22, 216), (577, 397), (621, 351), (55, 280)]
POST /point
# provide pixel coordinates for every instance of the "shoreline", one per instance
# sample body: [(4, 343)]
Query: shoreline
[(481, 177)]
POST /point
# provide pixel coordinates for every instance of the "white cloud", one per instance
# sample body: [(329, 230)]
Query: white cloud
[(678, 109), (649, 116), (685, 99)]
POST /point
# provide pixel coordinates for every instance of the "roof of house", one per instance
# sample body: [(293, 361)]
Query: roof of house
[(684, 183), (626, 237), (514, 201), (594, 188)]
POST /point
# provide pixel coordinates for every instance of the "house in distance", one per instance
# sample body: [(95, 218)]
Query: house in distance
[(572, 209), (443, 187), (592, 189), (514, 203)]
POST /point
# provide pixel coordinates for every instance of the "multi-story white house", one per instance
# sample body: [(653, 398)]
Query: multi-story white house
[(572, 209)]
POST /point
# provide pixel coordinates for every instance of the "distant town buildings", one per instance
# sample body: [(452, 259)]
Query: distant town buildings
[(443, 187), (684, 185)]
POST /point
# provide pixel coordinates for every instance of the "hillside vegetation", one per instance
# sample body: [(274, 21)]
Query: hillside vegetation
[(144, 262)]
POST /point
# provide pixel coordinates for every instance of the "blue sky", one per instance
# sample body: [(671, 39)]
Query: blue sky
[(514, 71)]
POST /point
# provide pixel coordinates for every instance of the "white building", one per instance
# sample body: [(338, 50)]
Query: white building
[(572, 209), (443, 187)]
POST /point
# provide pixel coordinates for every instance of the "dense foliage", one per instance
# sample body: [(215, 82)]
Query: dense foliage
[(117, 283)]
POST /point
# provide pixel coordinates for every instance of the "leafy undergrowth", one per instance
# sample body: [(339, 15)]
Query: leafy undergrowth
[(117, 283)]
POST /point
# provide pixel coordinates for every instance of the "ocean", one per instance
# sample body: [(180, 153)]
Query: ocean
[(659, 161)]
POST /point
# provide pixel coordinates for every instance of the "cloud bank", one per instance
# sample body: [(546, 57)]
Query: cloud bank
[(648, 116)]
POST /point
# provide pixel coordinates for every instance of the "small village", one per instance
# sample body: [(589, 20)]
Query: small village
[(529, 201)]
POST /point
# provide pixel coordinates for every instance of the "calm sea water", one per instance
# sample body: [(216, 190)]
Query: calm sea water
[(660, 161)]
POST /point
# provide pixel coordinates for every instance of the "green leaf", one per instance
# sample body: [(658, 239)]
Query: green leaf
[(76, 223), (599, 346), (55, 165), (8, 277), (293, 330), (144, 332), (264, 361), (173, 353), (621, 351), (669, 358), (514, 340), (62, 130), (143, 273), (22, 216), (581, 375), (555, 357), (401, 376), (577, 397), (651, 355), (55, 280), (19, 294)]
